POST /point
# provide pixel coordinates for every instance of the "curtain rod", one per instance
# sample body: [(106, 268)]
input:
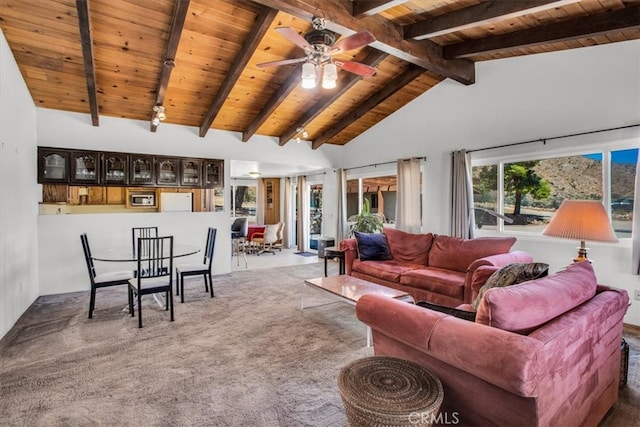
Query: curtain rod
[(384, 163), (544, 140)]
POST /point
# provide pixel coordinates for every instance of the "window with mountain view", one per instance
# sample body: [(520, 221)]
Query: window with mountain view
[(533, 190)]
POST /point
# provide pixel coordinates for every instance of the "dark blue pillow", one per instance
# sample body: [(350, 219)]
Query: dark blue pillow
[(372, 247)]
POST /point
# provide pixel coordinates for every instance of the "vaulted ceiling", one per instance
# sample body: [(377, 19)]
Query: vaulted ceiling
[(198, 58)]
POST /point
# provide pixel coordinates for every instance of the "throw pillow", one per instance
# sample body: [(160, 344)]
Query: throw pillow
[(372, 246), (462, 314), (510, 275)]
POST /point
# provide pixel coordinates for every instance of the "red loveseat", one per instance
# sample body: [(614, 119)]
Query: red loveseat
[(541, 353), (436, 268)]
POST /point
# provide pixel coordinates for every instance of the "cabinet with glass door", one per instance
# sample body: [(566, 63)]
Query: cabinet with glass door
[(142, 170), (53, 165), (115, 168), (213, 173), (168, 171), (85, 167), (191, 172)]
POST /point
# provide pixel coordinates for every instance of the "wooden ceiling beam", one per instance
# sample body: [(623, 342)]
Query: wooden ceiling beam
[(86, 39), (362, 8), (276, 99), (588, 26), (258, 30), (374, 58), (177, 24), (389, 36), (395, 85), (481, 14)]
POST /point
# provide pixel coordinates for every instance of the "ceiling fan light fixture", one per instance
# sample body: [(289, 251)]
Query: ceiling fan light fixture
[(329, 76), (308, 75)]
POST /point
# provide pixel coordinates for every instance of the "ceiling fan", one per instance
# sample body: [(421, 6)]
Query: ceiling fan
[(319, 47)]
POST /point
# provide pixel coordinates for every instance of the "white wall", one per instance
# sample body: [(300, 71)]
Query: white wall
[(513, 100), (18, 193)]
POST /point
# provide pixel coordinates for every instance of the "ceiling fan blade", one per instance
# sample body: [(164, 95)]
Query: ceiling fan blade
[(354, 41), (282, 62), (356, 68), (293, 36)]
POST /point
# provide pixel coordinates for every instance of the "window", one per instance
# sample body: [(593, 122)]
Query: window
[(529, 192), (243, 201), (380, 191)]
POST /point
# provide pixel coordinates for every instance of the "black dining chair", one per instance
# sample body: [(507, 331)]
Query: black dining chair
[(137, 232), (239, 232), (195, 269), (158, 267), (103, 280)]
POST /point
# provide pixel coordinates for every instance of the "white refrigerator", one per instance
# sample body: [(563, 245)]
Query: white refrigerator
[(176, 202)]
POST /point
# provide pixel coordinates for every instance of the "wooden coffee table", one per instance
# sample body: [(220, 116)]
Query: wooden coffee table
[(350, 289)]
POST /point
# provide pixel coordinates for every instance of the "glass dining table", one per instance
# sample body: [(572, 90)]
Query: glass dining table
[(124, 254)]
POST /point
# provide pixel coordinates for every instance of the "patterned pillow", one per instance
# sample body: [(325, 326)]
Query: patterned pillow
[(511, 275), (372, 246), (461, 314)]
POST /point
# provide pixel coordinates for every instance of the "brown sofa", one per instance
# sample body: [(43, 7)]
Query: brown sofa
[(436, 268), (540, 353)]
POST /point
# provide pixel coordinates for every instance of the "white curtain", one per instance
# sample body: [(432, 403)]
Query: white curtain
[(260, 201), (288, 213), (342, 231), (408, 196), (462, 218), (303, 213), (635, 229)]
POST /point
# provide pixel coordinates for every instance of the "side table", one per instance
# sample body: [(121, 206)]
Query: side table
[(334, 252), (387, 391)]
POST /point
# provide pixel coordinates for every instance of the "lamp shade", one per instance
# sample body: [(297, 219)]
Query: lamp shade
[(581, 220)]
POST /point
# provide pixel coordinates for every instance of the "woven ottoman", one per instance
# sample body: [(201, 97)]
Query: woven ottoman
[(386, 391)]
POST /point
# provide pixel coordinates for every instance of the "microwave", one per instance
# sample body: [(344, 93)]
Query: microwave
[(143, 200)]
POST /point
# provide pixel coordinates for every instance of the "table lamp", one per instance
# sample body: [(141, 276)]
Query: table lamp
[(581, 220)]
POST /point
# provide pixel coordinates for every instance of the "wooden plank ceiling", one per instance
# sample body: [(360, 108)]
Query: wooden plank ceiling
[(198, 58)]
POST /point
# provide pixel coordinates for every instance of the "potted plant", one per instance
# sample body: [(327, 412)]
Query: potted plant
[(365, 221)]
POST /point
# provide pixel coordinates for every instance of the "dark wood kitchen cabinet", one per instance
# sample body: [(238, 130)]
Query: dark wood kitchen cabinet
[(167, 171), (53, 166), (213, 173), (142, 170), (191, 175), (85, 167), (115, 168)]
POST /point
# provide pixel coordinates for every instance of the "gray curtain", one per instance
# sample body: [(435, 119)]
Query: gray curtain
[(302, 213), (462, 218), (288, 213), (260, 201), (635, 230), (408, 212), (342, 231)]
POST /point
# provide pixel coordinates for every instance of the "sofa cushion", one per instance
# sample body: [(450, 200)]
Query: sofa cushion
[(453, 253), (387, 270), (512, 274), (372, 246), (409, 247), (437, 280), (524, 307)]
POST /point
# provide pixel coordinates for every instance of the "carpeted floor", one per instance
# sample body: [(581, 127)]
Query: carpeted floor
[(249, 356)]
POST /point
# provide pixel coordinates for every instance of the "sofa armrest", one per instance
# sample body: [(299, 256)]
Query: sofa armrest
[(348, 246), (505, 359), (476, 276)]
